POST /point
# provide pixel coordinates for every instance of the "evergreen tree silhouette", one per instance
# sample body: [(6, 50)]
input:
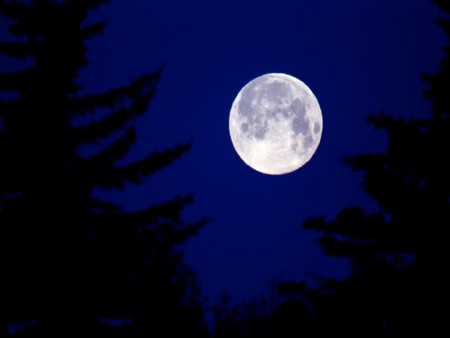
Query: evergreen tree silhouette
[(399, 284), (281, 313), (70, 262)]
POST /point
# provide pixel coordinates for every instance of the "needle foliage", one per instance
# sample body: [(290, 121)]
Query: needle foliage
[(72, 263)]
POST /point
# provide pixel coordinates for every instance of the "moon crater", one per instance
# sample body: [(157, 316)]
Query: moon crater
[(275, 124)]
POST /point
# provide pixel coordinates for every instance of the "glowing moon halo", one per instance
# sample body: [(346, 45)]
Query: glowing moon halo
[(275, 124)]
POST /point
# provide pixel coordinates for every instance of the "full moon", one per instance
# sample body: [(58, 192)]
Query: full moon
[(275, 124)]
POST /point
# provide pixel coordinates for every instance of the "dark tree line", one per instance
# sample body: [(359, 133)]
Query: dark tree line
[(399, 283), (70, 262)]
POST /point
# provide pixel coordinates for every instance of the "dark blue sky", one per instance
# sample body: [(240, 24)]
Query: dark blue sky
[(357, 56)]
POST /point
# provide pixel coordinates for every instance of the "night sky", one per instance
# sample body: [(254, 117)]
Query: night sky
[(357, 56)]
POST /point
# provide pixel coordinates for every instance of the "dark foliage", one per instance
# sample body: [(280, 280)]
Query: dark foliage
[(281, 314), (399, 283), (72, 264)]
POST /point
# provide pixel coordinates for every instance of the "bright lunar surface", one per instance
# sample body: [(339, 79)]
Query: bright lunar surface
[(275, 124)]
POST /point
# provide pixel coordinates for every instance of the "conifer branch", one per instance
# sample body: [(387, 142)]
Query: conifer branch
[(136, 172)]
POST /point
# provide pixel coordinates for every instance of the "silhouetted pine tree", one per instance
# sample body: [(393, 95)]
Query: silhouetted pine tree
[(71, 263), (399, 283), (274, 315)]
